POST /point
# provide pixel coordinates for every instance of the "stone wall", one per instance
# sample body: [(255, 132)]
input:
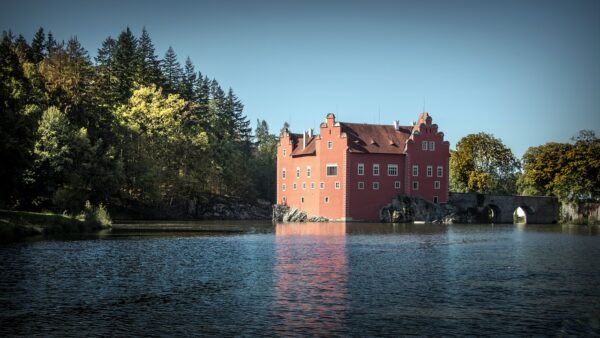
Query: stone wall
[(580, 213)]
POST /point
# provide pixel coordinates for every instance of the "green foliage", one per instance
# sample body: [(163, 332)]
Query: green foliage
[(482, 163), (95, 217), (128, 130), (568, 171)]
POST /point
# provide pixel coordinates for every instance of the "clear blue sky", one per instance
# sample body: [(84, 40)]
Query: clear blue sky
[(526, 71)]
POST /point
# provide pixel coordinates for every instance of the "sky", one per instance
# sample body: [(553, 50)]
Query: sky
[(526, 71)]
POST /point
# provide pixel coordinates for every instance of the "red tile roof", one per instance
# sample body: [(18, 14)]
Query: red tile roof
[(299, 150), (375, 138)]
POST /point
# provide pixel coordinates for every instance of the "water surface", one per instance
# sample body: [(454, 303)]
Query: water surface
[(307, 279)]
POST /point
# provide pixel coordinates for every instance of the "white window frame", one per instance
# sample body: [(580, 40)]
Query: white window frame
[(424, 145), (283, 173), (397, 185), (303, 185), (429, 171), (326, 199), (393, 166), (331, 166), (302, 199), (312, 185), (297, 172), (307, 171), (415, 170), (431, 145), (294, 186), (337, 185), (321, 185), (284, 152), (283, 187), (440, 171), (360, 170), (361, 185), (437, 185), (415, 185), (375, 169), (375, 185), (329, 144)]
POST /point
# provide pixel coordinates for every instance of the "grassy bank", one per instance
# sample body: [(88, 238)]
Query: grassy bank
[(16, 225)]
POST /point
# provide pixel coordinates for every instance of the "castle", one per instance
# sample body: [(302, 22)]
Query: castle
[(349, 171)]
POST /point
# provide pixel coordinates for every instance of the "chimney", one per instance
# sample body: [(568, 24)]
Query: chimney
[(310, 133), (304, 137), (396, 125)]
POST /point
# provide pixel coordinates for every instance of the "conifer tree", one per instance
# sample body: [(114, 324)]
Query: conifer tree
[(125, 64), (50, 43), (148, 71), (106, 81), (38, 46), (17, 122), (188, 82), (172, 72), (22, 49)]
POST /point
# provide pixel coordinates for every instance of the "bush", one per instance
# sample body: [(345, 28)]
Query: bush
[(95, 217)]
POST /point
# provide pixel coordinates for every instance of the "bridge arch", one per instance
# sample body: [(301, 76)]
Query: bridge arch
[(522, 214), (492, 213)]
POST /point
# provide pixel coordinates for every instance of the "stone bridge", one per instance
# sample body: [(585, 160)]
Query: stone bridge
[(490, 208)]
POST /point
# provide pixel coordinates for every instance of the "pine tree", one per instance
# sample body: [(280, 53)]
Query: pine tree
[(17, 122), (241, 125), (148, 71), (188, 82), (22, 49), (106, 81), (172, 72), (51, 44), (125, 64), (38, 46)]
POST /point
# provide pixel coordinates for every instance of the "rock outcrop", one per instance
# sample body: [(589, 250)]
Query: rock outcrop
[(285, 214), (404, 209)]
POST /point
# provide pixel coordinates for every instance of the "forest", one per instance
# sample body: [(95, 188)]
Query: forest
[(126, 129)]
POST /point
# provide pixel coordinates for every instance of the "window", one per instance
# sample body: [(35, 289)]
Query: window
[(283, 173), (312, 185), (361, 169), (307, 171), (431, 145), (375, 185), (301, 199), (436, 184), (396, 184), (435, 199), (424, 145), (329, 144), (304, 185), (429, 171), (440, 171), (392, 170), (297, 172), (415, 170), (322, 185), (361, 185), (284, 152), (332, 170), (415, 185), (326, 199), (283, 187), (375, 169), (294, 186), (337, 185)]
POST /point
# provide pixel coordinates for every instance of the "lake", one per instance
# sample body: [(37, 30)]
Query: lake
[(329, 279)]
